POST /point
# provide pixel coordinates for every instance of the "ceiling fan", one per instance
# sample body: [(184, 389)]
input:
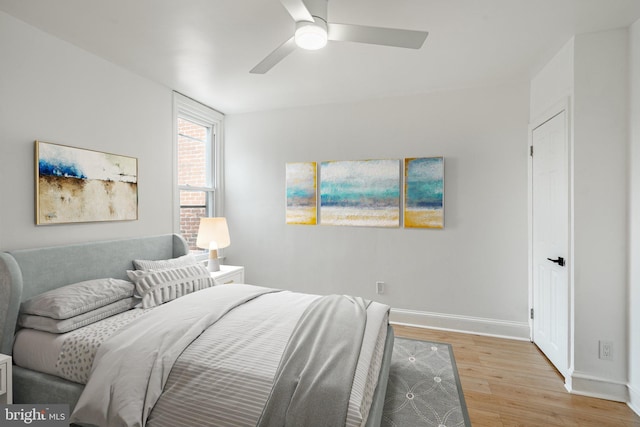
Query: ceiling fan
[(313, 31)]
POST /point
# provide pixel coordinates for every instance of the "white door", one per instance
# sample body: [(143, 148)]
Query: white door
[(550, 190)]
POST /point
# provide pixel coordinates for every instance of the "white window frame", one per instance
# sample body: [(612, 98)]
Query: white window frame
[(189, 109)]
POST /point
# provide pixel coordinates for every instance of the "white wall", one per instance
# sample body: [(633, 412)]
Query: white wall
[(634, 241), (592, 69), (475, 267), (553, 83), (600, 208), (53, 91)]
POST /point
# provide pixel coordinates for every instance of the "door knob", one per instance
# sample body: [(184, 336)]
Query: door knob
[(559, 261)]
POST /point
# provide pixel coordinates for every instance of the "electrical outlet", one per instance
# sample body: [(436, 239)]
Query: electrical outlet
[(606, 350), (380, 288)]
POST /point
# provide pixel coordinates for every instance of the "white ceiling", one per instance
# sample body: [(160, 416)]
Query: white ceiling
[(205, 48)]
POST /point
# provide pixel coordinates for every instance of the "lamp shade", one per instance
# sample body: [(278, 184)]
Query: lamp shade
[(213, 230)]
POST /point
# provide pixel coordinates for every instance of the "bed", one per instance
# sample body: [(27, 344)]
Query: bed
[(27, 274)]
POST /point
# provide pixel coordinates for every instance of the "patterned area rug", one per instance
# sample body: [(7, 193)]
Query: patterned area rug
[(424, 387)]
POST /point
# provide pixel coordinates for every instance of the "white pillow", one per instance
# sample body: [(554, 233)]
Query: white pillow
[(60, 326), (72, 300), (143, 264)]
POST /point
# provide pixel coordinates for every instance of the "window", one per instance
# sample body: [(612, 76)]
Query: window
[(198, 176)]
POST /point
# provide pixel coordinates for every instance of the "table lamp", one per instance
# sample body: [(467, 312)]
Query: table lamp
[(213, 234)]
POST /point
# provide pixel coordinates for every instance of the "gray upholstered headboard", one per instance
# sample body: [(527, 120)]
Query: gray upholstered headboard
[(28, 272)]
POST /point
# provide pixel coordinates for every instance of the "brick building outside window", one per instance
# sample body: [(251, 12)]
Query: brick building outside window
[(198, 140)]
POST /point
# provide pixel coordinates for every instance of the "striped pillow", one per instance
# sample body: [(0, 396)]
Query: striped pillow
[(159, 286)]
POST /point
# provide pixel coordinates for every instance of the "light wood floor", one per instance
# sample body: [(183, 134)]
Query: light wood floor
[(510, 383)]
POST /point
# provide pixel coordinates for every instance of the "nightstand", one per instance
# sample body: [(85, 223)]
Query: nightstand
[(6, 396), (228, 274)]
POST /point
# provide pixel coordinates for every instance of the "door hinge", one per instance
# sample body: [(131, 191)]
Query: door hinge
[(531, 313), (531, 150)]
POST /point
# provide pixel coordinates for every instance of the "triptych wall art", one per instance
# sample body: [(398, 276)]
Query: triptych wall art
[(367, 193), (78, 185), (424, 192), (360, 193), (301, 193)]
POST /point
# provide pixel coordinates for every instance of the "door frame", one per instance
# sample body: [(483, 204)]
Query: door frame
[(563, 105)]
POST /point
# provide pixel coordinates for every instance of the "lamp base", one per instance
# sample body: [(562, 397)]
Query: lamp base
[(213, 264)]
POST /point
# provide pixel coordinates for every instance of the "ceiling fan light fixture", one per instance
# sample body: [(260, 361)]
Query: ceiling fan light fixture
[(312, 32), (311, 35)]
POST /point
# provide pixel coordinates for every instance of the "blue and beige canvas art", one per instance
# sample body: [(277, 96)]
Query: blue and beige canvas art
[(78, 185), (424, 192), (301, 193), (360, 193)]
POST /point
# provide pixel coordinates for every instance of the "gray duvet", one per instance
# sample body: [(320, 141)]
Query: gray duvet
[(131, 368), (208, 358)]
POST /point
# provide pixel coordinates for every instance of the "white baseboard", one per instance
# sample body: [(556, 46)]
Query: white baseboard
[(634, 399), (588, 385), (467, 324)]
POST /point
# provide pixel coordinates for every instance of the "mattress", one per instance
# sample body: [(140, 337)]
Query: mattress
[(264, 328)]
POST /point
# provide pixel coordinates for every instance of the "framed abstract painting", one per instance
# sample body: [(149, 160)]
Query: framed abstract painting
[(301, 207), (360, 193), (424, 192), (78, 185)]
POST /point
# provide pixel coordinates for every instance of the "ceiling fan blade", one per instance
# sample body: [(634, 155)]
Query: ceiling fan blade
[(298, 10), (377, 35), (274, 57)]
